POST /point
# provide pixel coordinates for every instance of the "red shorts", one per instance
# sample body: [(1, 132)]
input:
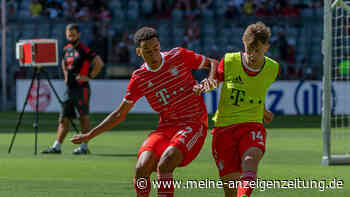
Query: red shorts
[(188, 138), (230, 142)]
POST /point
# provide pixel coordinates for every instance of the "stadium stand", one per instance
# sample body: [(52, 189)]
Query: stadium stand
[(217, 27)]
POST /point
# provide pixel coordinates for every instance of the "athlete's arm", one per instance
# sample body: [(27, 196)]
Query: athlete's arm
[(98, 65), (65, 73), (112, 120), (268, 116), (211, 82), (211, 65)]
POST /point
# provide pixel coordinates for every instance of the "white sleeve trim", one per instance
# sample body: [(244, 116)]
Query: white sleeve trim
[(128, 101), (203, 61)]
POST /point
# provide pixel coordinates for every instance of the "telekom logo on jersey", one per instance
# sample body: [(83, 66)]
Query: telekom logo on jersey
[(164, 95)]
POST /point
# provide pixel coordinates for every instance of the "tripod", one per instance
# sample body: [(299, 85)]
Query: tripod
[(36, 75)]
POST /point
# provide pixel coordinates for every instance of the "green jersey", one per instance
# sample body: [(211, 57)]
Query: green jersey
[(242, 97)]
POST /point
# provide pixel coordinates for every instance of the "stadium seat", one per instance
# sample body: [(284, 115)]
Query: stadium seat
[(307, 12), (179, 31), (133, 10), (147, 6), (24, 5), (43, 30), (220, 7), (177, 15), (319, 12), (208, 15), (24, 13), (292, 32), (115, 4)]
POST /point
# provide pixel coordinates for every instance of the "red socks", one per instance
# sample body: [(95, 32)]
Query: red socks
[(166, 188), (142, 186), (244, 188), (165, 181)]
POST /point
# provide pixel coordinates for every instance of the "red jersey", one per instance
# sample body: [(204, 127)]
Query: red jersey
[(168, 89)]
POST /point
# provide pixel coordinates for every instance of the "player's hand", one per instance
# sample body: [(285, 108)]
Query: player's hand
[(80, 138), (82, 78), (268, 116), (198, 89), (206, 85)]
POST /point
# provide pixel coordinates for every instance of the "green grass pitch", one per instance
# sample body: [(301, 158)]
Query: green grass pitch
[(294, 149)]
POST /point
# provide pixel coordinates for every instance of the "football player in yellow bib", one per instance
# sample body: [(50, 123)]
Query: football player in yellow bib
[(239, 134)]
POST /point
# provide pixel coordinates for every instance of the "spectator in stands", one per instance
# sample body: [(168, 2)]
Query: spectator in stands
[(236, 3), (232, 10), (88, 3), (269, 4), (13, 4), (282, 44), (103, 14), (289, 10), (69, 7), (12, 9), (308, 75), (204, 5), (291, 72), (83, 14), (99, 42), (249, 7), (147, 7), (191, 37), (177, 12), (262, 10), (54, 9), (35, 8), (190, 7), (162, 8), (277, 9), (307, 72), (291, 52), (121, 54)]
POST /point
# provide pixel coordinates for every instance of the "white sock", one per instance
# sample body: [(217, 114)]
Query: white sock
[(57, 145), (83, 145)]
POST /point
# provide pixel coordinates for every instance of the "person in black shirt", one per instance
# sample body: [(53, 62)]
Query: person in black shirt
[(76, 66)]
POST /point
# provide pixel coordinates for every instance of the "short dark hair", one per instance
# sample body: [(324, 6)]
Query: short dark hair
[(256, 32), (73, 26), (145, 33)]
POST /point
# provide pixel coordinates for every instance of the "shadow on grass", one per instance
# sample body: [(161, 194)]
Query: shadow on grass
[(116, 155), (135, 122)]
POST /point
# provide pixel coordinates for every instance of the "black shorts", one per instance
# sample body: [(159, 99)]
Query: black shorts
[(76, 102)]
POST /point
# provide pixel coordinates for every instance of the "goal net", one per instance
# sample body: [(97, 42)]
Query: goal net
[(336, 83)]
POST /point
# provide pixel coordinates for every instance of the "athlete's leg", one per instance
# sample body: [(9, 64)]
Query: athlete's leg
[(171, 158), (226, 154), (230, 181), (85, 127), (184, 146), (252, 148), (250, 162), (85, 123), (146, 164), (148, 157), (63, 128)]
